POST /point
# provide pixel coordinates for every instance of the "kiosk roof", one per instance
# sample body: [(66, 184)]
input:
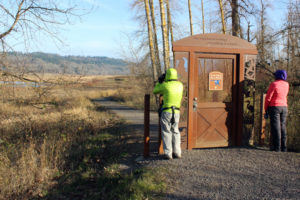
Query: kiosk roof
[(218, 42)]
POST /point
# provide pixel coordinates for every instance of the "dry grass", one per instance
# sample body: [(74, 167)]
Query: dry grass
[(36, 134), (133, 95), (32, 171), (293, 119)]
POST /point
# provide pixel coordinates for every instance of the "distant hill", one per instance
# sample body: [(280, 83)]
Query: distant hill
[(53, 63)]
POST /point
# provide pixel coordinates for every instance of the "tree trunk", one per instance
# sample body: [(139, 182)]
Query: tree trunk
[(170, 28), (235, 17), (203, 24), (288, 51), (164, 35), (150, 38), (241, 29), (222, 16), (190, 15), (158, 65), (248, 32), (262, 33)]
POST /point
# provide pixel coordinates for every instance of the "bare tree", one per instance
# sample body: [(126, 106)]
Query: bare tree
[(150, 38), (190, 17), (261, 38), (26, 18), (222, 16), (292, 29), (264, 40), (170, 28), (235, 17), (203, 21), (158, 65), (237, 11), (164, 35)]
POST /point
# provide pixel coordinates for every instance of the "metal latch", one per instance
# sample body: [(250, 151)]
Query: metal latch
[(195, 105)]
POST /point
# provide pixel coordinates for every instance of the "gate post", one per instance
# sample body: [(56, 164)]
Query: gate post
[(146, 125), (262, 121), (160, 142)]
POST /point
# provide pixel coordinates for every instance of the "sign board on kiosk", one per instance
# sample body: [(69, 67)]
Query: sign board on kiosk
[(215, 80)]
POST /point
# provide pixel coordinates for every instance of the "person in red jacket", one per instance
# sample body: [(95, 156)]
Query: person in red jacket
[(276, 108)]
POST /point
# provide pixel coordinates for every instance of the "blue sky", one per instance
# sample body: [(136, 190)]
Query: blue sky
[(99, 33), (96, 33)]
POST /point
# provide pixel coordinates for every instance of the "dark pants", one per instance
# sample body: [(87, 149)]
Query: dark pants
[(278, 116)]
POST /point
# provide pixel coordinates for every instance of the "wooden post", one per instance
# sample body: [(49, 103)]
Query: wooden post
[(146, 125), (262, 125), (160, 142)]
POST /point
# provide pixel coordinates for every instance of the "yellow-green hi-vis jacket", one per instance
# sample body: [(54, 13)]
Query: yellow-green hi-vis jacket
[(171, 89)]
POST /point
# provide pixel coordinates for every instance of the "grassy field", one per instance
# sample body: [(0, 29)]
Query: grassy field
[(55, 143)]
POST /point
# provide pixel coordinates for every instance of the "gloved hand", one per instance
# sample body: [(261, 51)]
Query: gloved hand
[(162, 77), (266, 115)]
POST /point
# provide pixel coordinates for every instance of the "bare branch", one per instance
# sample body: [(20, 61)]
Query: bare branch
[(7, 11), (15, 21)]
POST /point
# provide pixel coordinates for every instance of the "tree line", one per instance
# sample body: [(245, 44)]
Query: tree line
[(40, 62)]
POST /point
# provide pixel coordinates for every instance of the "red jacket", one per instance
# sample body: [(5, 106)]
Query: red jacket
[(277, 94)]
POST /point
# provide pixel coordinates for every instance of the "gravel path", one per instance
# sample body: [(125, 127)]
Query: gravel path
[(222, 173), (233, 173)]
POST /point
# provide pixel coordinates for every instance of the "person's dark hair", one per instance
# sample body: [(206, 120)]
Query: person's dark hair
[(280, 75)]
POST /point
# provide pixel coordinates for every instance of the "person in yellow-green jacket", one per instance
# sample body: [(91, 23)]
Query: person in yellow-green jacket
[(171, 89)]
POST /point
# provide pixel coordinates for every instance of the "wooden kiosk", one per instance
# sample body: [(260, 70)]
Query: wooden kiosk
[(214, 68)]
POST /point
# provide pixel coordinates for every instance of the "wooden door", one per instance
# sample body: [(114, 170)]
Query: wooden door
[(214, 100)]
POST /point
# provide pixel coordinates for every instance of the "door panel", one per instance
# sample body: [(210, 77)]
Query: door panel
[(214, 78)]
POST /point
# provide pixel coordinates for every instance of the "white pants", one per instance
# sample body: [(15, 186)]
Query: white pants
[(170, 134)]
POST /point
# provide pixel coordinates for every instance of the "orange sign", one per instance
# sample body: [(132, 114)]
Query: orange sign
[(215, 80)]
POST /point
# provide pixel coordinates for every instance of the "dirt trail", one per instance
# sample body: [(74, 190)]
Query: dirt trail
[(218, 173), (131, 115)]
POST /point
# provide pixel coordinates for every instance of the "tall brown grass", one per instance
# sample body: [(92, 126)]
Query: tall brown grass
[(37, 133)]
